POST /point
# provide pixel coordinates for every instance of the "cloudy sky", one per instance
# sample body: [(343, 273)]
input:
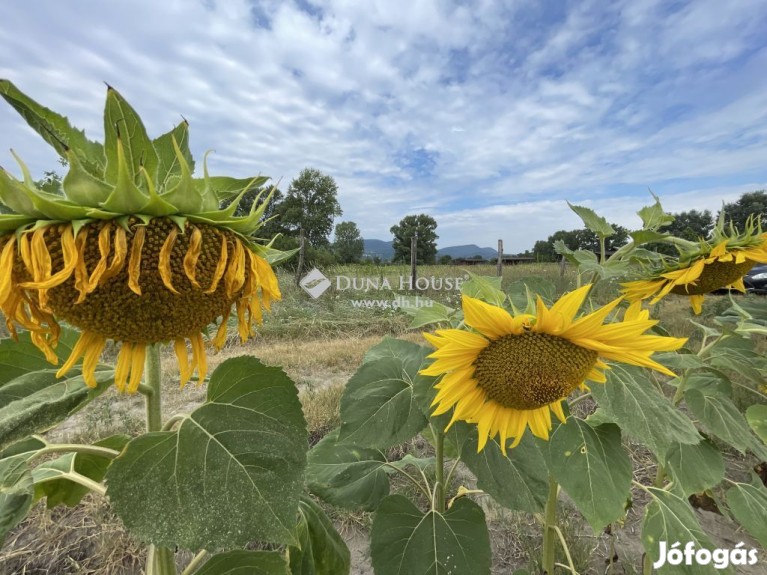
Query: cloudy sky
[(487, 115)]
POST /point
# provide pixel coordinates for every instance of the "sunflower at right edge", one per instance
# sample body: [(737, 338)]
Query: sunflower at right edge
[(707, 266)]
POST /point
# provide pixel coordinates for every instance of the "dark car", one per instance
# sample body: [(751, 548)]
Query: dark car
[(756, 279)]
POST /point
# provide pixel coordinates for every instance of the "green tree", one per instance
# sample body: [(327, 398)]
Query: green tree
[(50, 182), (581, 239), (692, 225), (749, 203), (445, 259), (348, 245), (311, 204), (425, 226)]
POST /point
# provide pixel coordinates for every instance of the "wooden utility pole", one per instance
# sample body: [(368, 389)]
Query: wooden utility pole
[(499, 265), (413, 259)]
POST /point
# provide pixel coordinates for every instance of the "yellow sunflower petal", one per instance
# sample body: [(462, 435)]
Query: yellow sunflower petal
[(185, 372), (220, 267), (134, 265), (122, 369), (192, 255), (136, 367), (163, 265), (489, 320), (696, 301), (463, 338), (686, 275)]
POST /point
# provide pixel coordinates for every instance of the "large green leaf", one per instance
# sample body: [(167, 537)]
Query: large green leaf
[(695, 467), (20, 356), (121, 122), (532, 285), (322, 551), (53, 478), (756, 416), (486, 288), (654, 217), (748, 504), (517, 480), (406, 541), (630, 398), (347, 475), (719, 416), (16, 491), (54, 128), (37, 401), (597, 224), (230, 473), (246, 563), (378, 408), (593, 468), (670, 519)]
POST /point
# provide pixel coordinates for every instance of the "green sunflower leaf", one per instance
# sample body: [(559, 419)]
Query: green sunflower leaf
[(654, 217), (182, 191), (486, 288), (246, 562), (168, 163), (21, 356), (230, 473), (630, 398), (16, 490), (594, 222), (720, 417), (748, 504), (378, 407), (670, 519), (322, 551), (593, 468), (346, 475), (123, 128), (517, 480), (406, 541), (695, 467), (756, 416), (37, 401), (52, 477), (55, 129), (126, 197)]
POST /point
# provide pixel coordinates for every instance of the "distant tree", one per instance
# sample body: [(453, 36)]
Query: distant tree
[(425, 226), (692, 225), (311, 203), (582, 239), (50, 182), (348, 245), (445, 260), (749, 203)]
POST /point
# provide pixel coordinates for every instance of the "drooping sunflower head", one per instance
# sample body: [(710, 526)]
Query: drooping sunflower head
[(707, 266), (133, 248), (507, 373)]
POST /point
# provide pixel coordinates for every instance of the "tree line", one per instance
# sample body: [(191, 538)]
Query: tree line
[(692, 225)]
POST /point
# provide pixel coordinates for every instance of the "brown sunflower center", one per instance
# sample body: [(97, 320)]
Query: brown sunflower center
[(531, 370), (112, 308), (715, 275)]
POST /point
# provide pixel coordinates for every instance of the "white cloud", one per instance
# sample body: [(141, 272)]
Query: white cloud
[(512, 108)]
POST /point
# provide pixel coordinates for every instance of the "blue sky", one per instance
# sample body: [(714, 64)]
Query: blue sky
[(487, 115)]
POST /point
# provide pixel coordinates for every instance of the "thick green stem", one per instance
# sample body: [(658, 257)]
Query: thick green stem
[(549, 528), (160, 560), (439, 455), (78, 448)]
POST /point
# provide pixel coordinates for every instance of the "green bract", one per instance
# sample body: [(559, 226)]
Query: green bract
[(129, 174)]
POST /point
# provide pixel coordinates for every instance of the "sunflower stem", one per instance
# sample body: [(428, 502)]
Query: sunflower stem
[(549, 528), (160, 560), (439, 455)]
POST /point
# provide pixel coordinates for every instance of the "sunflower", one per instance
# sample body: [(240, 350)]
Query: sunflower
[(707, 267), (133, 250), (510, 372)]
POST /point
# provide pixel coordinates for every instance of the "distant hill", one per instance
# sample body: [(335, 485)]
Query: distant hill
[(385, 251), (467, 251), (380, 248)]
